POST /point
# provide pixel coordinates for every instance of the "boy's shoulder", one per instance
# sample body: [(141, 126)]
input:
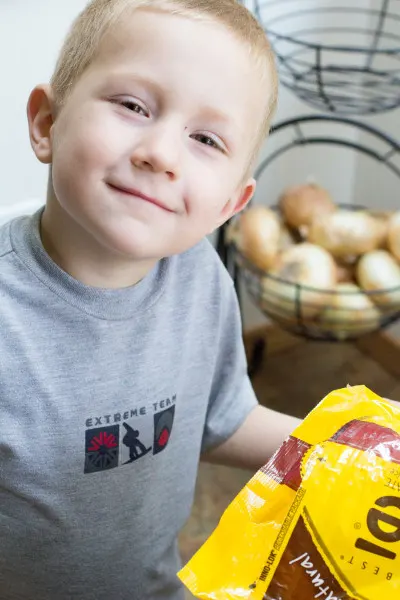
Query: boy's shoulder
[(202, 263), (202, 253)]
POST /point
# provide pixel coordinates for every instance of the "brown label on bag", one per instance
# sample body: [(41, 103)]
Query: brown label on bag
[(302, 574)]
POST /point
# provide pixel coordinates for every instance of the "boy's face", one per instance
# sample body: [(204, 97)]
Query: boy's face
[(149, 152)]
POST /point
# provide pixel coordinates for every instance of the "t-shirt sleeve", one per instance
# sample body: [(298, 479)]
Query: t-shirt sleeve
[(232, 396)]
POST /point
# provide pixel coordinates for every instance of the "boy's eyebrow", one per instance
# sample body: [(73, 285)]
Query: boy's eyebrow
[(208, 110), (118, 78)]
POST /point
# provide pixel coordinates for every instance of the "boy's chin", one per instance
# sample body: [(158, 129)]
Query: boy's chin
[(134, 240)]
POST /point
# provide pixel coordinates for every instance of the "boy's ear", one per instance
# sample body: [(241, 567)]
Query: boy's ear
[(237, 204), (41, 120)]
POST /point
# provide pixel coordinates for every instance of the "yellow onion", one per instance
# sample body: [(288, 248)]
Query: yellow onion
[(301, 204), (379, 271), (303, 264), (258, 235), (350, 312), (346, 233), (287, 238), (383, 218), (394, 235)]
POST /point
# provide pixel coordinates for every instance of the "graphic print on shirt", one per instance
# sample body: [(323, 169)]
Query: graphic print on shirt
[(132, 441), (102, 448), (132, 435), (162, 429)]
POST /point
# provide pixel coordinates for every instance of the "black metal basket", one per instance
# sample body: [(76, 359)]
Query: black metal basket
[(291, 304), (297, 308), (350, 66)]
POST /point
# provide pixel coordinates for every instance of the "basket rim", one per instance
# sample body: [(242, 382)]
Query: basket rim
[(341, 119), (249, 266), (320, 48), (302, 138), (269, 29)]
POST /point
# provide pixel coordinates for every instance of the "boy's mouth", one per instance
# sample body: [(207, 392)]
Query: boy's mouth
[(137, 194)]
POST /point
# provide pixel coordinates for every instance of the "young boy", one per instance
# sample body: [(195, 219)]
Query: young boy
[(121, 355)]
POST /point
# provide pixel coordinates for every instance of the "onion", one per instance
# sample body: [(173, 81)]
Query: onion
[(346, 233), (287, 238), (394, 235), (301, 204), (383, 219), (258, 236), (379, 271), (350, 312), (303, 264)]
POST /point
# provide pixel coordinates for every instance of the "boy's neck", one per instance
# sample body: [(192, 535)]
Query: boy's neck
[(84, 259)]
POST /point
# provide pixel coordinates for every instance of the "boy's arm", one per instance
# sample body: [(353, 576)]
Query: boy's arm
[(255, 441)]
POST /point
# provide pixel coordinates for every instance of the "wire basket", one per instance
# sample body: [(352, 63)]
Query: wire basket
[(292, 305), (339, 56), (317, 313)]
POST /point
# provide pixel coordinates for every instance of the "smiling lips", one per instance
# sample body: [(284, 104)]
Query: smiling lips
[(137, 194)]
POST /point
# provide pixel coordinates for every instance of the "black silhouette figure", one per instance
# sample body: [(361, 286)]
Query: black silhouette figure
[(131, 440)]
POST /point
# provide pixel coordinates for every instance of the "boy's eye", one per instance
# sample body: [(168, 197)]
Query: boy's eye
[(203, 138), (134, 107)]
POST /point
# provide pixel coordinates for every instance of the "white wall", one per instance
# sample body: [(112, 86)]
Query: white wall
[(31, 32)]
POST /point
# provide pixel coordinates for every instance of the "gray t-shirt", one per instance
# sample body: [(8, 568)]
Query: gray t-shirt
[(107, 399)]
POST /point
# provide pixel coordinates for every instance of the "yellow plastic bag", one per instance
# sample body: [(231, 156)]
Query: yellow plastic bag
[(321, 519)]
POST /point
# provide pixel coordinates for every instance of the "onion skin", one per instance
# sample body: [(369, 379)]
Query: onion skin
[(393, 240), (346, 233), (301, 204), (303, 264), (350, 312), (379, 271), (258, 236), (383, 219), (287, 238)]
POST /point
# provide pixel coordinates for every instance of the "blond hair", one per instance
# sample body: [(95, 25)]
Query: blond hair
[(83, 41)]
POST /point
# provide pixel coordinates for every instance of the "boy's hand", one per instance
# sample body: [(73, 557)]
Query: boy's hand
[(255, 441)]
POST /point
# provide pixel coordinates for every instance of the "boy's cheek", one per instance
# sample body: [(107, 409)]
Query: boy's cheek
[(82, 151)]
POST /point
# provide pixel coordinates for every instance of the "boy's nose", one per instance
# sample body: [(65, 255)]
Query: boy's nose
[(157, 151)]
